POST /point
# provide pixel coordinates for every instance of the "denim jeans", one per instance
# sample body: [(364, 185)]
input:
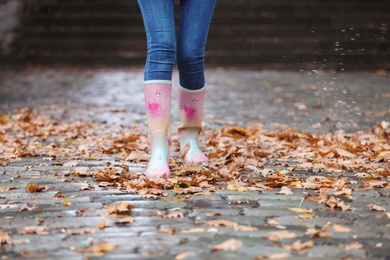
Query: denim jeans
[(189, 47)]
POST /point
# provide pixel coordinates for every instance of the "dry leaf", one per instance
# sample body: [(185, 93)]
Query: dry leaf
[(67, 203), (39, 230), (5, 239), (298, 245), (184, 255), (314, 232), (274, 256), (169, 231), (120, 208), (102, 225), (282, 234), (375, 207), (26, 254), (124, 220), (193, 230), (228, 245), (285, 191), (26, 208), (96, 250), (301, 210), (31, 187), (221, 223), (341, 229), (353, 246)]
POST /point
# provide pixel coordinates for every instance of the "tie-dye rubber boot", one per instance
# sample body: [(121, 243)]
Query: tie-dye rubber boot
[(191, 104), (158, 95)]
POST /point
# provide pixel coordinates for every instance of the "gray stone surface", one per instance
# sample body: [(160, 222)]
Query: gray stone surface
[(352, 101)]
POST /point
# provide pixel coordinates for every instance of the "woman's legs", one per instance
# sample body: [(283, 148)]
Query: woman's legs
[(158, 16), (194, 26)]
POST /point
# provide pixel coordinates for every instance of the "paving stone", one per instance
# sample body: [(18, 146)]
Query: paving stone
[(255, 93)]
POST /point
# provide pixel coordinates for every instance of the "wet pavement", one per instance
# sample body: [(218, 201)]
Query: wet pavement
[(310, 101)]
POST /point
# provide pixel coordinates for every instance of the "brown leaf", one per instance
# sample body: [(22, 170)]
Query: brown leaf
[(96, 250), (274, 256), (228, 245), (169, 231), (26, 254), (221, 223), (102, 225), (341, 229), (26, 208), (5, 239), (31, 187), (39, 230), (124, 220), (120, 208), (353, 246), (285, 191), (282, 234), (184, 255), (298, 245), (375, 207), (314, 232)]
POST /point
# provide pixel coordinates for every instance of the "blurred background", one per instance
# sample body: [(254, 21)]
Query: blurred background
[(267, 34)]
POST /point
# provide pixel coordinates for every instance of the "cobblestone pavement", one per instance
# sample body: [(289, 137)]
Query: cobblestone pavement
[(309, 101)]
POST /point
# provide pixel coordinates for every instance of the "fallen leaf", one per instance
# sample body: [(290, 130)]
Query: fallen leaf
[(375, 207), (124, 220), (353, 246), (169, 231), (121, 208), (274, 256), (39, 230), (314, 232), (96, 250), (298, 245), (228, 245), (5, 239), (102, 225), (341, 229), (31, 187), (184, 255), (282, 234), (193, 230), (67, 203), (221, 223), (36, 255), (301, 210), (26, 208), (285, 191)]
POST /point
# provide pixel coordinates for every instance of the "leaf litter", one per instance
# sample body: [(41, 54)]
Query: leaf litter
[(241, 159)]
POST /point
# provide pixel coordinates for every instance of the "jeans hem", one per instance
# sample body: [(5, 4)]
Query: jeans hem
[(147, 82)]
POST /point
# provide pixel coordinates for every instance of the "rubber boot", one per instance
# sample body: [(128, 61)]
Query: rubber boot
[(191, 104), (158, 95)]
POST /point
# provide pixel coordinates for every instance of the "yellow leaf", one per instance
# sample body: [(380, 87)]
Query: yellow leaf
[(383, 154), (301, 210), (67, 202), (295, 183)]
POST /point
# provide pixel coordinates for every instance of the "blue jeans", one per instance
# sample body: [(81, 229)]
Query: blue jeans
[(188, 50)]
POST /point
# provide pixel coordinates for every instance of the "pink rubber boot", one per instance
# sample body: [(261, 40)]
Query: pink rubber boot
[(158, 95), (191, 104)]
